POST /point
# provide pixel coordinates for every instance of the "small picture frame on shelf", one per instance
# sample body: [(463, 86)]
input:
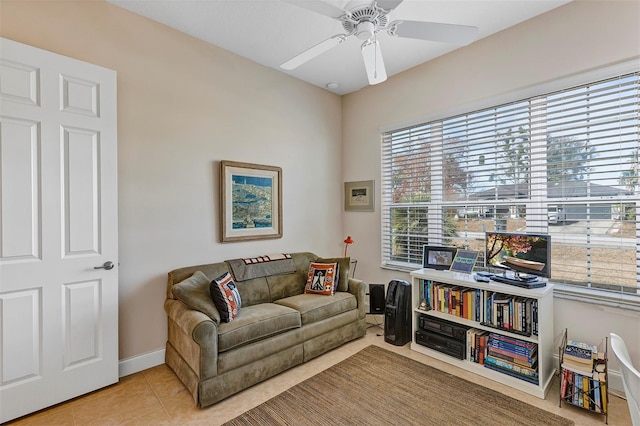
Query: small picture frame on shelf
[(464, 261), (438, 257)]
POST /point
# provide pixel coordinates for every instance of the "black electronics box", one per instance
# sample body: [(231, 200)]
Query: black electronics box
[(441, 343), (443, 336), (442, 326)]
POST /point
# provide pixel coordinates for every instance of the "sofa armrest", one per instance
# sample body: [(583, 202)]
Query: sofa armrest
[(195, 336), (358, 289)]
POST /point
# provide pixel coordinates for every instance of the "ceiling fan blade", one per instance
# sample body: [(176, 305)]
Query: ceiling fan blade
[(432, 31), (388, 5), (312, 52), (373, 62), (318, 6)]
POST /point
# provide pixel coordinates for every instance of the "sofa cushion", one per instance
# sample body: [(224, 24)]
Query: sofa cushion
[(226, 297), (257, 322), (194, 292), (286, 285), (211, 270), (322, 278), (345, 266), (315, 307)]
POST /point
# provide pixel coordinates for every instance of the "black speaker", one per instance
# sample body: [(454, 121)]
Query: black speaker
[(376, 299), (397, 313)]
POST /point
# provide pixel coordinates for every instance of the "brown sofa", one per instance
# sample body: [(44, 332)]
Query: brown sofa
[(278, 326)]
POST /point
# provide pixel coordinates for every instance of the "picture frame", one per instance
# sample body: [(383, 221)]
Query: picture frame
[(250, 201), (464, 261), (438, 257), (359, 196)]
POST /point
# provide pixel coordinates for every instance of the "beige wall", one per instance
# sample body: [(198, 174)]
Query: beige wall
[(578, 37), (183, 106)]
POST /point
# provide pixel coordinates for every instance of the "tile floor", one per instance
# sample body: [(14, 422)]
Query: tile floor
[(156, 396)]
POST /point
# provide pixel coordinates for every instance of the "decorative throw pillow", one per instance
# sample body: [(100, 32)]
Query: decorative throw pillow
[(194, 292), (322, 278), (226, 297), (342, 278)]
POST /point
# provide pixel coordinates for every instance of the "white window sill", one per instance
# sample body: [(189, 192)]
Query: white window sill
[(597, 297)]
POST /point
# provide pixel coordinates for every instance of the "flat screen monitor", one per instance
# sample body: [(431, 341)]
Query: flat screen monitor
[(522, 253)]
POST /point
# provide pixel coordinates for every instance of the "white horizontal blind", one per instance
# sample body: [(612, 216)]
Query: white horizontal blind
[(563, 164)]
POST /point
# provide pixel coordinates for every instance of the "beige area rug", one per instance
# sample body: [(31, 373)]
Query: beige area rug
[(378, 387)]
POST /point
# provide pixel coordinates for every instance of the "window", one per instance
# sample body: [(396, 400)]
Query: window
[(564, 163)]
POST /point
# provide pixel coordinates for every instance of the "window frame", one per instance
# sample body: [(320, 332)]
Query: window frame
[(530, 94)]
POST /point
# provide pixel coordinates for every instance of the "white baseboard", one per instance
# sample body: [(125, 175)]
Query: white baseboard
[(615, 382), (140, 362)]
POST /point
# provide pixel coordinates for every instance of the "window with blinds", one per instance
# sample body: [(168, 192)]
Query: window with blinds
[(563, 164)]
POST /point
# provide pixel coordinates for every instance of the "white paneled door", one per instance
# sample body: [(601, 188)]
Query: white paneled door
[(58, 229)]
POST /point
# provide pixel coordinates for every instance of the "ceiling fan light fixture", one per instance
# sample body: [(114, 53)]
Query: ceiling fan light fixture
[(365, 30)]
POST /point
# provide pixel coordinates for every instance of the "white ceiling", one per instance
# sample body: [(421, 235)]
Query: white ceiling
[(270, 32)]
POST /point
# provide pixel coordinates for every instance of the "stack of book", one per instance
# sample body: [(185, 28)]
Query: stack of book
[(579, 357), (514, 357), (583, 379)]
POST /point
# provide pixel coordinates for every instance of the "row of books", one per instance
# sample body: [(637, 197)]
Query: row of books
[(584, 391), (477, 345), (514, 357), (506, 312)]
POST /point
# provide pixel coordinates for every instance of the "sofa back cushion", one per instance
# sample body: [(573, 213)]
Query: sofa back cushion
[(287, 285), (252, 291), (281, 286)]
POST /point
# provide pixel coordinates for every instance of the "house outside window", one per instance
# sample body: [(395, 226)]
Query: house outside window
[(564, 164)]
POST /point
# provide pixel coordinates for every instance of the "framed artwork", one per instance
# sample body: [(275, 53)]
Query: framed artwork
[(437, 257), (250, 201), (358, 196)]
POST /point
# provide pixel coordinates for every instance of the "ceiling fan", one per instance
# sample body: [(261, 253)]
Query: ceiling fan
[(365, 21)]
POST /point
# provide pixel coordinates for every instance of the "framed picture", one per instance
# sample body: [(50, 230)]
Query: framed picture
[(436, 257), (358, 196), (464, 261), (250, 201)]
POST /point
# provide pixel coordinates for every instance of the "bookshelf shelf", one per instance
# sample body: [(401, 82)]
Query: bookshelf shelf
[(575, 378), (527, 324)]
